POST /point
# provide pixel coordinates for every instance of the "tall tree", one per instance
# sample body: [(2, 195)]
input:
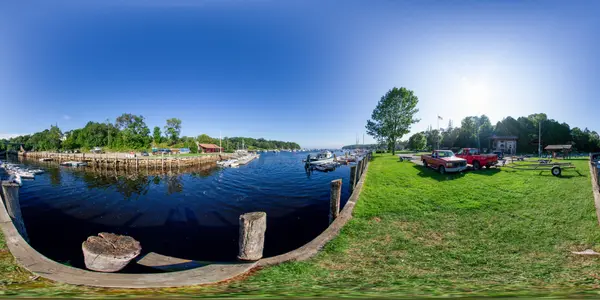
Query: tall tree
[(392, 117), (156, 135), (417, 141), (173, 129), (433, 137), (134, 132)]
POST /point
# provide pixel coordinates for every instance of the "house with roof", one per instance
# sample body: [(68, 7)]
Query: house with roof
[(505, 144), (208, 148)]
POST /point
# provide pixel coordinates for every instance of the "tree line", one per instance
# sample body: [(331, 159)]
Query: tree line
[(475, 132), (130, 132), (394, 115)]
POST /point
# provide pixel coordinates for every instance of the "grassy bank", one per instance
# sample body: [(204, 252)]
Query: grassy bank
[(415, 232)]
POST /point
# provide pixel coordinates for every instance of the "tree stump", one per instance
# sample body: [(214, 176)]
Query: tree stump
[(109, 252), (252, 235)]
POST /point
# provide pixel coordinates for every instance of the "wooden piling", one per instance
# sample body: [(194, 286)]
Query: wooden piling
[(252, 235), (334, 199), (352, 178), (10, 191)]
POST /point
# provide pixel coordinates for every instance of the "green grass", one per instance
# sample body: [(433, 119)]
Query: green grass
[(418, 233)]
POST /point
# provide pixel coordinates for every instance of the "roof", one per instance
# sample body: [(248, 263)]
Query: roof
[(209, 146), (558, 147), (504, 137)]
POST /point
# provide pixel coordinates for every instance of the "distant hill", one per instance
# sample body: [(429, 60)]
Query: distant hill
[(360, 146)]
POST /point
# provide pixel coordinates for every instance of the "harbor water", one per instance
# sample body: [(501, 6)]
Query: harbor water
[(191, 215)]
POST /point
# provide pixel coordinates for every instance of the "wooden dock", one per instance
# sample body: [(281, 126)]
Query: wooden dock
[(123, 161)]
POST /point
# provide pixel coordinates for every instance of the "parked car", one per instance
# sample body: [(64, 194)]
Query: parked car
[(476, 159), (97, 150), (444, 161), (500, 154), (144, 153), (160, 151)]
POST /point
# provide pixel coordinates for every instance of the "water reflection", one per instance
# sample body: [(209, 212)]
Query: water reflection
[(55, 176), (130, 184), (174, 184)]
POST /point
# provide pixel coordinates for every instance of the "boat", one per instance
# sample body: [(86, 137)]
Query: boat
[(73, 163), (16, 179), (25, 175), (37, 171), (325, 167), (228, 163)]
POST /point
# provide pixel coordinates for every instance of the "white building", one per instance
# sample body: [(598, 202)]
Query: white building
[(505, 144)]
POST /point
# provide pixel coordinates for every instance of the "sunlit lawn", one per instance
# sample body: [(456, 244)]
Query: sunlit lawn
[(415, 232)]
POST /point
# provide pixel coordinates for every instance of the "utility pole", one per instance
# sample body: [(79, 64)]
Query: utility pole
[(540, 141), (438, 134)]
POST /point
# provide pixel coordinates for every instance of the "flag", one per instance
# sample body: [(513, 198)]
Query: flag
[(440, 118)]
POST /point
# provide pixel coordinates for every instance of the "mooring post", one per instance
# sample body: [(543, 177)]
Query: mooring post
[(11, 200), (334, 199), (252, 235), (352, 178), (359, 170)]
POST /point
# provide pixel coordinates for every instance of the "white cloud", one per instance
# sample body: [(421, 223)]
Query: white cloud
[(67, 117), (10, 135)]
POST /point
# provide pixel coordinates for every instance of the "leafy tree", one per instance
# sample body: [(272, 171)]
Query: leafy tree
[(205, 139), (157, 135), (449, 136), (392, 117), (417, 141), (173, 129), (134, 132), (433, 137)]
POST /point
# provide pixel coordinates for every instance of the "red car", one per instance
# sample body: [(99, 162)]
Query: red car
[(444, 161), (476, 159)]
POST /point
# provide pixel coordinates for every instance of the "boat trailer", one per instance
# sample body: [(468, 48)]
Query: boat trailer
[(543, 165)]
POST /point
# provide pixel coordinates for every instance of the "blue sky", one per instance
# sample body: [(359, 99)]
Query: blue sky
[(304, 71)]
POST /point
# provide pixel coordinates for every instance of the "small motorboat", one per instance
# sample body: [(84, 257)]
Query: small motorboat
[(37, 171), (16, 179), (74, 163), (25, 175)]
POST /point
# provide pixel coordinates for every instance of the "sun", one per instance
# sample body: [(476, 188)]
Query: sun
[(475, 94)]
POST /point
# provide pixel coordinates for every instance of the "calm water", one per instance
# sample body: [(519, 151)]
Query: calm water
[(193, 215)]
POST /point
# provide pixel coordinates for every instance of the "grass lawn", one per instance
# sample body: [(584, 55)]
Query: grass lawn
[(415, 232)]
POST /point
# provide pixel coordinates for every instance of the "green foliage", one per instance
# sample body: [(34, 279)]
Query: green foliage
[(417, 141), (360, 146), (173, 129), (433, 138), (49, 139), (189, 142), (233, 143), (392, 117), (134, 132), (476, 132), (157, 135)]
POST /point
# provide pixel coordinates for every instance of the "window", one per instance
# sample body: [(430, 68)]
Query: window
[(474, 151), (445, 153)]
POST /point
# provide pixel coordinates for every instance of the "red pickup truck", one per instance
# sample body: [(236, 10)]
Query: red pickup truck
[(476, 159), (444, 161)]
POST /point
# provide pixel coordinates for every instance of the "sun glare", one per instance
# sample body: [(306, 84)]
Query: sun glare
[(475, 94)]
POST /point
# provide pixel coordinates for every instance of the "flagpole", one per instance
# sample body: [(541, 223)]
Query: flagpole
[(220, 146)]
